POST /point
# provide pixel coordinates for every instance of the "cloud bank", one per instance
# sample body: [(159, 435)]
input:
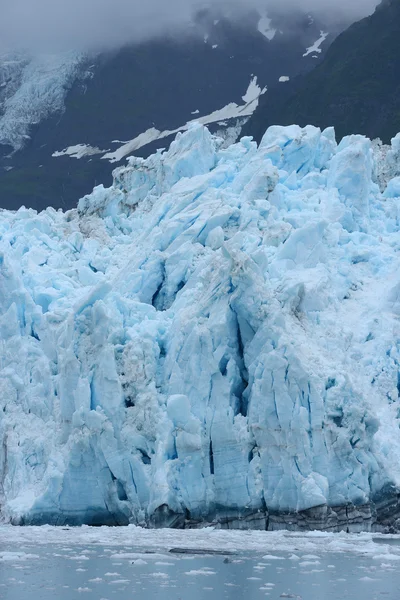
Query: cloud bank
[(95, 24)]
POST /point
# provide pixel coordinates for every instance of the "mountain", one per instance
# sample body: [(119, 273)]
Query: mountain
[(61, 116), (212, 339), (356, 88)]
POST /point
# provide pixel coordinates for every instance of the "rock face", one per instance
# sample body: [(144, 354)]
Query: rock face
[(355, 88), (214, 338)]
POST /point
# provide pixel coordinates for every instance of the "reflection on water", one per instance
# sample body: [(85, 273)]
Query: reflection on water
[(29, 572)]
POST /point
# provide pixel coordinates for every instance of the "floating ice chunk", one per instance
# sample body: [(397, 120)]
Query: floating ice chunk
[(204, 571), (16, 556)]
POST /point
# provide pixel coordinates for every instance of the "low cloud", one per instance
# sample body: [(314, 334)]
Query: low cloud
[(92, 24)]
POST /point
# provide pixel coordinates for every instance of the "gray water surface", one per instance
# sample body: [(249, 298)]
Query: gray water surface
[(102, 573)]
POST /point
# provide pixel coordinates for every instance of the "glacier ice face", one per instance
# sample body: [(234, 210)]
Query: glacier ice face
[(213, 338)]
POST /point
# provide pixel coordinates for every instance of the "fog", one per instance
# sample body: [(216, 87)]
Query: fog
[(98, 24)]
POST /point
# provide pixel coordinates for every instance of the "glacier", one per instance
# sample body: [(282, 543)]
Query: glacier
[(213, 339), (33, 88)]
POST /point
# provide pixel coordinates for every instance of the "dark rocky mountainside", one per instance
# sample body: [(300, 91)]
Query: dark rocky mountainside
[(356, 87), (115, 97)]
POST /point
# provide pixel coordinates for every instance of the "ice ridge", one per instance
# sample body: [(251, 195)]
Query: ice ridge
[(215, 338)]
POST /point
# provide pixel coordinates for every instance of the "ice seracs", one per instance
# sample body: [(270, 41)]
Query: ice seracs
[(215, 338)]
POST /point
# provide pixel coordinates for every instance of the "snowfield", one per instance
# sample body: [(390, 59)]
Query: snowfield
[(215, 338)]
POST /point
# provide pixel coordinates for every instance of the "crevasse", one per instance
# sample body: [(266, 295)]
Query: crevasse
[(215, 338)]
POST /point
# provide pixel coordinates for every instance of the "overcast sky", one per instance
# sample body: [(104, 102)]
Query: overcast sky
[(52, 24)]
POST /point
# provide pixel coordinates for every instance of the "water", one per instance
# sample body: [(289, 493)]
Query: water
[(36, 570)]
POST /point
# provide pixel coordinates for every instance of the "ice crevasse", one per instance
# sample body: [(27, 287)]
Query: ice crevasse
[(213, 339)]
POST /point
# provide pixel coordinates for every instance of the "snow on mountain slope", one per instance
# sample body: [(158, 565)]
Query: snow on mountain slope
[(220, 116), (316, 47), (58, 109), (265, 27), (213, 338), (31, 90)]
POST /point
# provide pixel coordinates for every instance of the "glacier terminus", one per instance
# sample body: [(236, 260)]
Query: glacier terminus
[(213, 339)]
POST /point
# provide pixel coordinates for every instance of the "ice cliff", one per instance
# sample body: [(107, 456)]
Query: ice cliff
[(215, 338)]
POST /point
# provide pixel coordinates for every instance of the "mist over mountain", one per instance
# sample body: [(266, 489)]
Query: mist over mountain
[(46, 25), (355, 88)]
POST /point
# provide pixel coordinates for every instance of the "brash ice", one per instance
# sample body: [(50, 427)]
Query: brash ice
[(215, 338)]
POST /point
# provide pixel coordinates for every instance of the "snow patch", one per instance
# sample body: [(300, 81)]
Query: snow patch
[(316, 47), (265, 27), (228, 112), (79, 151)]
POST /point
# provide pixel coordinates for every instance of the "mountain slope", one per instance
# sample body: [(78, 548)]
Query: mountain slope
[(158, 85), (356, 88)]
